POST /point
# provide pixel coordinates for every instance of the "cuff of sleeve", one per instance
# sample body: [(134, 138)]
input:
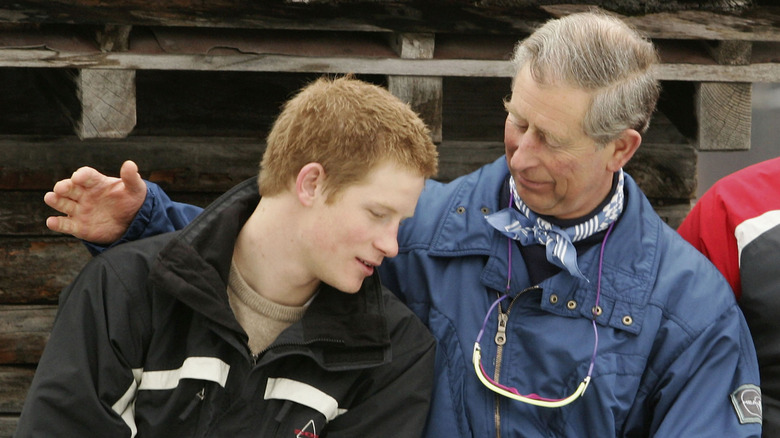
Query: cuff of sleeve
[(137, 227)]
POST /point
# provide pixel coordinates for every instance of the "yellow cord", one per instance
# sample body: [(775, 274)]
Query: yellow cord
[(477, 357)]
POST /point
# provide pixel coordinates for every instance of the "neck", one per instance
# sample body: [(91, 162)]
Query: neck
[(269, 257)]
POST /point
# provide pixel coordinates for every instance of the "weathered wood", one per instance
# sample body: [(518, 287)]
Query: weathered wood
[(14, 383), (731, 52), (339, 52), (107, 103), (424, 94), (100, 103), (212, 164), (714, 19), (38, 58), (8, 425), (23, 213), (724, 113), (665, 171), (40, 166), (114, 38), (24, 331), (34, 270)]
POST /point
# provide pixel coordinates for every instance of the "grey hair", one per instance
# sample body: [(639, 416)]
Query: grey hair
[(600, 54)]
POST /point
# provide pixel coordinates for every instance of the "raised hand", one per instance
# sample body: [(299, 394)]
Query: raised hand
[(99, 208)]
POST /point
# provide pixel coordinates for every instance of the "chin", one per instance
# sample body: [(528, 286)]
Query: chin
[(350, 288)]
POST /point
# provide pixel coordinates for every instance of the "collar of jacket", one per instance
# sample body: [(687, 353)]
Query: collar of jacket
[(631, 255), (339, 330)]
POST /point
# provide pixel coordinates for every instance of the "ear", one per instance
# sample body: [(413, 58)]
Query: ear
[(310, 183), (623, 148)]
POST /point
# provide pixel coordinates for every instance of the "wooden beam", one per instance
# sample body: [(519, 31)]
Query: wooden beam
[(656, 18), (114, 38), (107, 103), (8, 425), (724, 110), (424, 94), (23, 213), (100, 103), (14, 383), (24, 331), (48, 264), (37, 58), (724, 116), (211, 168)]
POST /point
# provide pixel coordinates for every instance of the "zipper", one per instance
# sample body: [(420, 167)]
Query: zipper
[(199, 397), (500, 339)]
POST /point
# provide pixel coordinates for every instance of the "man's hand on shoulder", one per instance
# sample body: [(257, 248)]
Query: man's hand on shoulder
[(99, 208)]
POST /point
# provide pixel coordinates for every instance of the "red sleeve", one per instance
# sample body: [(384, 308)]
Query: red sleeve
[(708, 227), (742, 195)]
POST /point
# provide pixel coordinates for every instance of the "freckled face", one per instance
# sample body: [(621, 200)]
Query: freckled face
[(558, 169), (360, 228)]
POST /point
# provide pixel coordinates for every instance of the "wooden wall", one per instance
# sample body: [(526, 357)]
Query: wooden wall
[(194, 106)]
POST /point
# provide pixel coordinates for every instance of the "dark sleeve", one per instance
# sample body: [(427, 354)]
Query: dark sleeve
[(86, 379)]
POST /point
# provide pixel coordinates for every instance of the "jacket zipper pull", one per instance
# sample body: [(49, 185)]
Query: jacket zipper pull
[(199, 397), (501, 333)]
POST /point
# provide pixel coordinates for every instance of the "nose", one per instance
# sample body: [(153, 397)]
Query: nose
[(521, 149), (387, 242)]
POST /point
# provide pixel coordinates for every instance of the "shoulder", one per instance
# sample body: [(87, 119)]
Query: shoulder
[(468, 196), (124, 267), (406, 330)]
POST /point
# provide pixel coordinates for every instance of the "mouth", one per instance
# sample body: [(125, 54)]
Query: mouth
[(369, 266), (530, 184), (367, 263)]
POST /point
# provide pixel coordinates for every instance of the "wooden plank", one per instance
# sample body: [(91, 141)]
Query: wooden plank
[(40, 58), (724, 110), (47, 264), (724, 114), (23, 213), (14, 383), (100, 103), (107, 100), (210, 168), (665, 171), (114, 38), (24, 331), (424, 94), (8, 425), (212, 163), (731, 52), (719, 19)]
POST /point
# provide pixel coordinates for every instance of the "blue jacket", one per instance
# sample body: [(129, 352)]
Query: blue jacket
[(673, 345), (674, 358)]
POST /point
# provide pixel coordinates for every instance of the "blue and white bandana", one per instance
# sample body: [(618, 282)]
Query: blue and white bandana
[(528, 228)]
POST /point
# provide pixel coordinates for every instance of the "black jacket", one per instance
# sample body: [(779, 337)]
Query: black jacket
[(145, 343)]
